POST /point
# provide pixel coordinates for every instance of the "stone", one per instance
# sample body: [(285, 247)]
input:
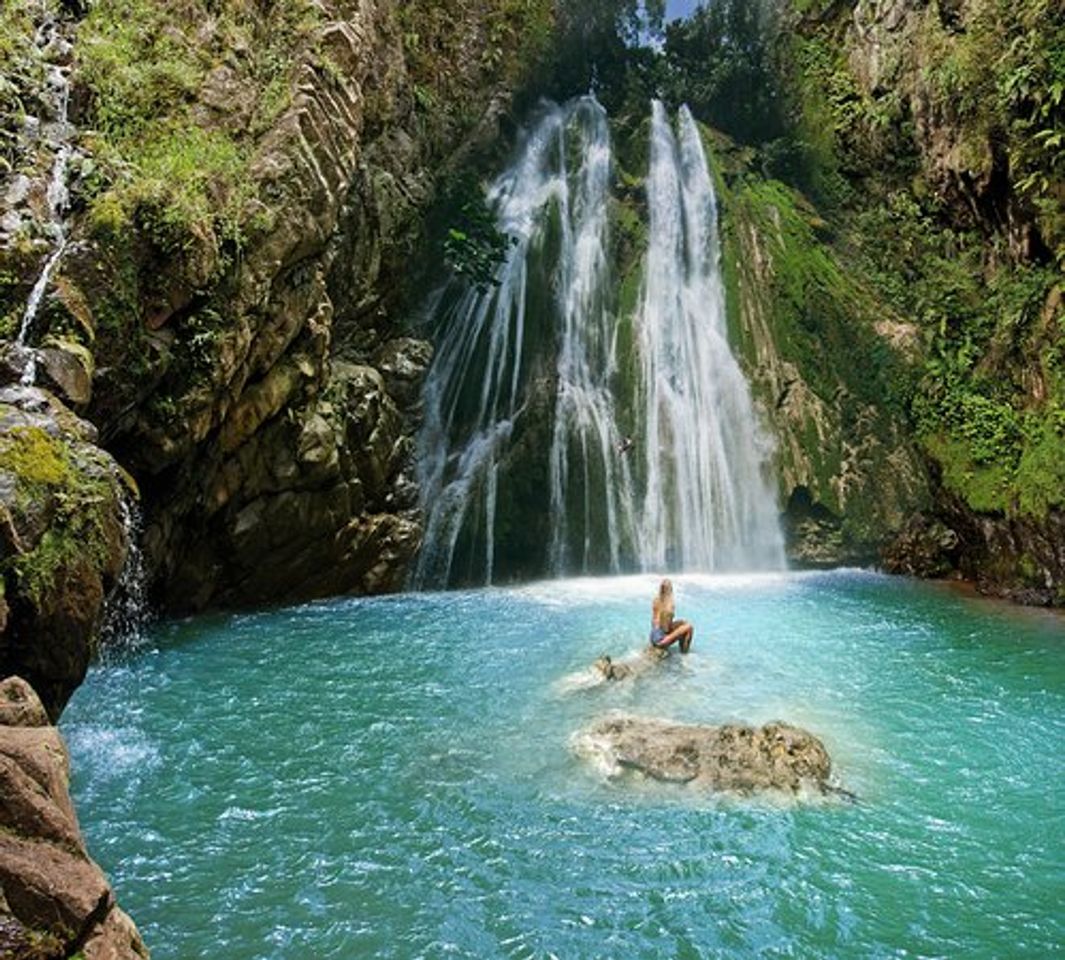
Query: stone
[(18, 190), (67, 368), (403, 363), (14, 361), (629, 667), (925, 547), (731, 758), (116, 938), (54, 900), (63, 541), (19, 705)]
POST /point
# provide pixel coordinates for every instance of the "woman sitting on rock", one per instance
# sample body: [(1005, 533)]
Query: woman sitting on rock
[(666, 631)]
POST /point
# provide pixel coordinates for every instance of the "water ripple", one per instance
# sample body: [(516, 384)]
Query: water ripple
[(272, 785)]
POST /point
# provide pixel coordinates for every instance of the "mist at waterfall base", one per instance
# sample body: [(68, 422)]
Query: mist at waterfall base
[(395, 777), (566, 432)]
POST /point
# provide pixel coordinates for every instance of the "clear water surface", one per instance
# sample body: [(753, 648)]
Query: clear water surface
[(395, 777)]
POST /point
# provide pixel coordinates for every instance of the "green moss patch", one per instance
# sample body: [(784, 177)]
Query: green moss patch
[(70, 500)]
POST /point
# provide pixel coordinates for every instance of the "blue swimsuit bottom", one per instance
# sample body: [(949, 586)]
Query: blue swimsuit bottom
[(657, 636)]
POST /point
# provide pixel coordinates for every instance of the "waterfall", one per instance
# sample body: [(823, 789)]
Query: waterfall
[(585, 433), (522, 451), (59, 133), (126, 612), (488, 373), (706, 502)]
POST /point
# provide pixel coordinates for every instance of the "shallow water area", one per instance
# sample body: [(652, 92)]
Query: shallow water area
[(395, 777)]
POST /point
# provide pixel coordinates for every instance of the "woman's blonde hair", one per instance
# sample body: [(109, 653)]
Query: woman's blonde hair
[(665, 588)]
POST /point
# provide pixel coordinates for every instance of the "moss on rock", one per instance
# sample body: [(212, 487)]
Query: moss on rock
[(62, 542)]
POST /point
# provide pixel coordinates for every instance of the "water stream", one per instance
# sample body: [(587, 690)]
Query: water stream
[(529, 392), (57, 131), (126, 614), (395, 777), (491, 358)]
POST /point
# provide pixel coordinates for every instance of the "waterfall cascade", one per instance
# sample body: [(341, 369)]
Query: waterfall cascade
[(126, 613), (525, 403), (706, 504), (58, 133), (489, 370)]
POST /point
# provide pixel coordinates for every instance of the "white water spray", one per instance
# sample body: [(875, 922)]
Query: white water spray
[(126, 613)]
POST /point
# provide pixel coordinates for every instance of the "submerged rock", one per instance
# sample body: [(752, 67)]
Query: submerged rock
[(734, 758), (631, 666), (54, 900)]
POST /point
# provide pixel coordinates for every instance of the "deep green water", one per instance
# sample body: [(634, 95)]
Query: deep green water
[(394, 778)]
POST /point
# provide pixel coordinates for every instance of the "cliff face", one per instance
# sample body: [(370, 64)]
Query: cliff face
[(248, 191), (936, 137), (64, 537), (827, 366)]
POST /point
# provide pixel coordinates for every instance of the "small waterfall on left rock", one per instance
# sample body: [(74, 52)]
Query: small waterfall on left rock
[(126, 612), (58, 132)]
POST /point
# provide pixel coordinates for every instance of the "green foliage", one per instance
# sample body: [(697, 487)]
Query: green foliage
[(1003, 79), (724, 62), (987, 333), (821, 317), (21, 72), (137, 65), (999, 450), (601, 47), (515, 35), (991, 77), (474, 247), (1040, 471), (200, 334), (35, 458), (164, 163)]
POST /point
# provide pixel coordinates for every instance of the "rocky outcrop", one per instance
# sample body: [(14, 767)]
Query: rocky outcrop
[(324, 496), (55, 901), (825, 368), (264, 393), (1017, 558), (925, 547), (938, 118), (630, 667), (901, 48), (736, 759), (63, 541)]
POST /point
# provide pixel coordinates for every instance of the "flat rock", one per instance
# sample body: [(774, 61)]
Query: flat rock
[(733, 758)]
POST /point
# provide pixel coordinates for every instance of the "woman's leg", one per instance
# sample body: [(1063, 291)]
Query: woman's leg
[(680, 630)]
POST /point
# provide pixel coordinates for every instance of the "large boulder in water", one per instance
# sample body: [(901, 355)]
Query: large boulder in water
[(54, 901), (734, 758)]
